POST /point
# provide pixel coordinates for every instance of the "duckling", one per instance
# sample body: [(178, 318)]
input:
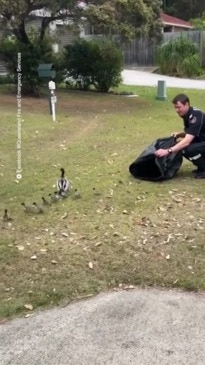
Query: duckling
[(95, 192), (77, 194), (38, 208), (6, 217), (63, 194), (63, 184), (27, 208), (54, 197), (45, 202)]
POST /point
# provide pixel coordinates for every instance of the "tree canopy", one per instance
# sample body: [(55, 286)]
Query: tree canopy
[(127, 18), (184, 9)]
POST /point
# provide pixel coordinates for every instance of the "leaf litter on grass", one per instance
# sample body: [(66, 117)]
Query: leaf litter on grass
[(122, 232)]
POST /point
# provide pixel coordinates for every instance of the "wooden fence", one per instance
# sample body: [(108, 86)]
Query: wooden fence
[(142, 52)]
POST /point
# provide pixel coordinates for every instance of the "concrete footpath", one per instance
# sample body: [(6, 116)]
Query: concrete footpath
[(143, 78), (138, 327)]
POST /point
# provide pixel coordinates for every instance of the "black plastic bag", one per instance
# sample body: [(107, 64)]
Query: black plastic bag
[(149, 167)]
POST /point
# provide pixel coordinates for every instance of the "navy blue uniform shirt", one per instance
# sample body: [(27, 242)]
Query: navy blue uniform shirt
[(194, 124)]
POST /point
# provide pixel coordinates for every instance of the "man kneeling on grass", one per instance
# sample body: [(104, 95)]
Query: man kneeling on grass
[(192, 143)]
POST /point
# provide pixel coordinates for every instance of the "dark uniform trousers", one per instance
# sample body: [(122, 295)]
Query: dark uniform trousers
[(195, 153)]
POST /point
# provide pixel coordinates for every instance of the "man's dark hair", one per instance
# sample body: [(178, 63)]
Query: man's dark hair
[(182, 98)]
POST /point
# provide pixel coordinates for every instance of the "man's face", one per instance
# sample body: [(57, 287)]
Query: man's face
[(181, 109)]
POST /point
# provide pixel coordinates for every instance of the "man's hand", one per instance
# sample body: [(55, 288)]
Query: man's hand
[(178, 135), (161, 153), (175, 135)]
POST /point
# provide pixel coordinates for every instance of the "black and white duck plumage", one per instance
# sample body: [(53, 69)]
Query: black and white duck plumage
[(63, 184)]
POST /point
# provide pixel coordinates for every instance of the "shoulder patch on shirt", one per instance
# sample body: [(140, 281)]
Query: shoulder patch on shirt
[(193, 120)]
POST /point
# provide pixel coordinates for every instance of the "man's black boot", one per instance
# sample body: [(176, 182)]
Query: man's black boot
[(200, 168), (200, 175), (196, 171)]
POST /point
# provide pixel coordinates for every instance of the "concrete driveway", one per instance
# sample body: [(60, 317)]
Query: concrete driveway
[(136, 327), (143, 78)]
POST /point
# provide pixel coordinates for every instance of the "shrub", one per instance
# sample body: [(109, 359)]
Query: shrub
[(97, 62), (107, 67), (79, 63), (6, 80), (32, 55), (179, 57)]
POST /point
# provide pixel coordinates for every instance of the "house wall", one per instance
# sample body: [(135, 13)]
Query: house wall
[(65, 36), (33, 23), (173, 28)]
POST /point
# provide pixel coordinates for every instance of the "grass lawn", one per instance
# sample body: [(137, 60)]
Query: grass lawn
[(121, 231)]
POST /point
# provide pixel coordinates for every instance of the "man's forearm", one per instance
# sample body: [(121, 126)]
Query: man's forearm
[(180, 146)]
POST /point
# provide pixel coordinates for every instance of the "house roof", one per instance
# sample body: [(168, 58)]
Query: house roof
[(170, 20)]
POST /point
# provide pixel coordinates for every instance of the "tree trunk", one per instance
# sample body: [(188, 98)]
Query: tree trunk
[(20, 33)]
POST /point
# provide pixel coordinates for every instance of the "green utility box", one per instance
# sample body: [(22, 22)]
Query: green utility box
[(46, 70), (161, 90)]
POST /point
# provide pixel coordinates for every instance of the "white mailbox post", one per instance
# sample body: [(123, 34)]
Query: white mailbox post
[(52, 87)]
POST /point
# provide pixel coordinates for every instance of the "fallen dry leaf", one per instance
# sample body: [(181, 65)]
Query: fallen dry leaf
[(168, 238), (197, 200), (116, 234), (28, 315), (28, 306), (177, 200), (64, 216), (98, 244), (125, 211), (20, 247), (43, 250), (162, 209), (128, 287), (73, 233)]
